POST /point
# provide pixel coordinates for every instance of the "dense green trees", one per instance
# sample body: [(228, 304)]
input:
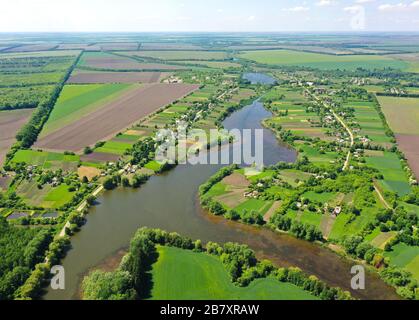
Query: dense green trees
[(108, 286), (21, 248)]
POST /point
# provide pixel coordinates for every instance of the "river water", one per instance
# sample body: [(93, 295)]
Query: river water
[(170, 202)]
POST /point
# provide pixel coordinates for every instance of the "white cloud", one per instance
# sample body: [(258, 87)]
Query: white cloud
[(297, 9), (325, 3), (399, 6), (390, 7), (364, 1), (251, 18), (352, 9)]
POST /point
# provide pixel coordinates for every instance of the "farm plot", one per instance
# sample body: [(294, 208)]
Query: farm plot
[(211, 64), (182, 55), (113, 117), (390, 167), (76, 101), (47, 160), (32, 47), (370, 123), (183, 274), (84, 77), (118, 46), (322, 61), (10, 123), (106, 61), (406, 257), (168, 46), (290, 114), (402, 115)]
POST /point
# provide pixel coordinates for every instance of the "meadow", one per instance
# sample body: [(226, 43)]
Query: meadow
[(322, 61), (183, 274)]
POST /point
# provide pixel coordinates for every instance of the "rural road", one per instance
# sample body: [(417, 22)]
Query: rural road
[(351, 135)]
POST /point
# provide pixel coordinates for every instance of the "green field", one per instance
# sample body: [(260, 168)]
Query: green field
[(114, 147), (76, 101), (182, 274), (390, 167), (322, 61), (45, 159), (405, 256)]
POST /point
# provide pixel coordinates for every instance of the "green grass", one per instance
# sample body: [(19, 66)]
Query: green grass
[(76, 101), (402, 254), (184, 275), (114, 147), (322, 61), (58, 197), (258, 205), (44, 159), (390, 167), (153, 165), (217, 189)]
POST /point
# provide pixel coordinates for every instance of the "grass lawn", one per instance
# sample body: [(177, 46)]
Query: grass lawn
[(76, 101), (322, 61), (183, 275)]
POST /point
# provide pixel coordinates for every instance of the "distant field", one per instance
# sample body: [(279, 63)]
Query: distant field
[(113, 116), (82, 77), (412, 59), (107, 61), (182, 274), (212, 64), (77, 101), (183, 55), (322, 61), (10, 124)]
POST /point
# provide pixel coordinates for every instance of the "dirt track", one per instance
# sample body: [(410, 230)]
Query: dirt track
[(114, 117), (116, 77), (10, 123), (409, 144)]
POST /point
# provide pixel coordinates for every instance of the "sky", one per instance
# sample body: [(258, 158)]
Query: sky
[(208, 15)]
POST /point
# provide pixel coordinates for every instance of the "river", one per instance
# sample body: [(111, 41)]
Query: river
[(170, 202)]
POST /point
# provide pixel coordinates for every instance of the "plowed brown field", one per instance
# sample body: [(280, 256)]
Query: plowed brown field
[(10, 123), (114, 117)]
